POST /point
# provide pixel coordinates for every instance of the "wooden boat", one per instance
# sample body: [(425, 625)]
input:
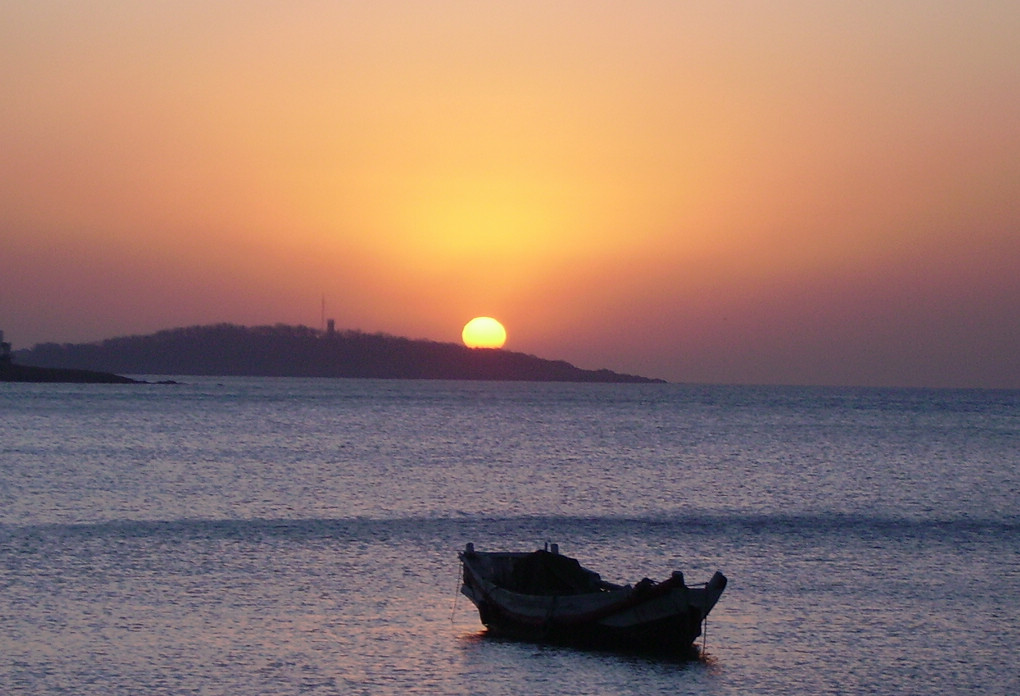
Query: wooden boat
[(548, 597)]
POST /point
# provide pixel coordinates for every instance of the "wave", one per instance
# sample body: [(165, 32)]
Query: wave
[(535, 527)]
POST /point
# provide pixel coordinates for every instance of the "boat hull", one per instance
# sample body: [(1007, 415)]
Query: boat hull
[(659, 617)]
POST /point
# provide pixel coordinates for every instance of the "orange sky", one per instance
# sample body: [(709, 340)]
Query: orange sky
[(743, 192)]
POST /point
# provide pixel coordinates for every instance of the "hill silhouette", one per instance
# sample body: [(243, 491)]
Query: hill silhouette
[(299, 351)]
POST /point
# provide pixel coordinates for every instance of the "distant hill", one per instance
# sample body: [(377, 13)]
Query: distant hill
[(299, 351)]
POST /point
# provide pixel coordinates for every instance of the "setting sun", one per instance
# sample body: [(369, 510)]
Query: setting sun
[(484, 332)]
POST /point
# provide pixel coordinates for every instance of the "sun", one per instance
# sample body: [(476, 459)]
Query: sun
[(483, 332)]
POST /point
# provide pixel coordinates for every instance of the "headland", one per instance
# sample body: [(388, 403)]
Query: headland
[(299, 351)]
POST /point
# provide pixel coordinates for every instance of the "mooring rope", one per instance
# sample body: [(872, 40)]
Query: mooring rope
[(456, 596)]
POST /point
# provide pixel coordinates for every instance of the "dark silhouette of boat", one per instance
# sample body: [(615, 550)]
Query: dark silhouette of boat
[(544, 596)]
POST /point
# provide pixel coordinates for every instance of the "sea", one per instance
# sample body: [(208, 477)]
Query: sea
[(283, 536)]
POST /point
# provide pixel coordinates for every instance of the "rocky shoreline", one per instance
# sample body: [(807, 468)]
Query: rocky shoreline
[(10, 372)]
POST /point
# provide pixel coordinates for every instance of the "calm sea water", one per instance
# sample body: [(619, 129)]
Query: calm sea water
[(285, 536)]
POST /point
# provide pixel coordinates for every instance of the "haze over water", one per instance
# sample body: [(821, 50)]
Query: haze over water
[(283, 536)]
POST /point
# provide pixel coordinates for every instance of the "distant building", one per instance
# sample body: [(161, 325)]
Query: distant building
[(5, 349), (331, 327)]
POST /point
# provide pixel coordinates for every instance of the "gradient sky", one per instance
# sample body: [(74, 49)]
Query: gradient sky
[(792, 192)]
